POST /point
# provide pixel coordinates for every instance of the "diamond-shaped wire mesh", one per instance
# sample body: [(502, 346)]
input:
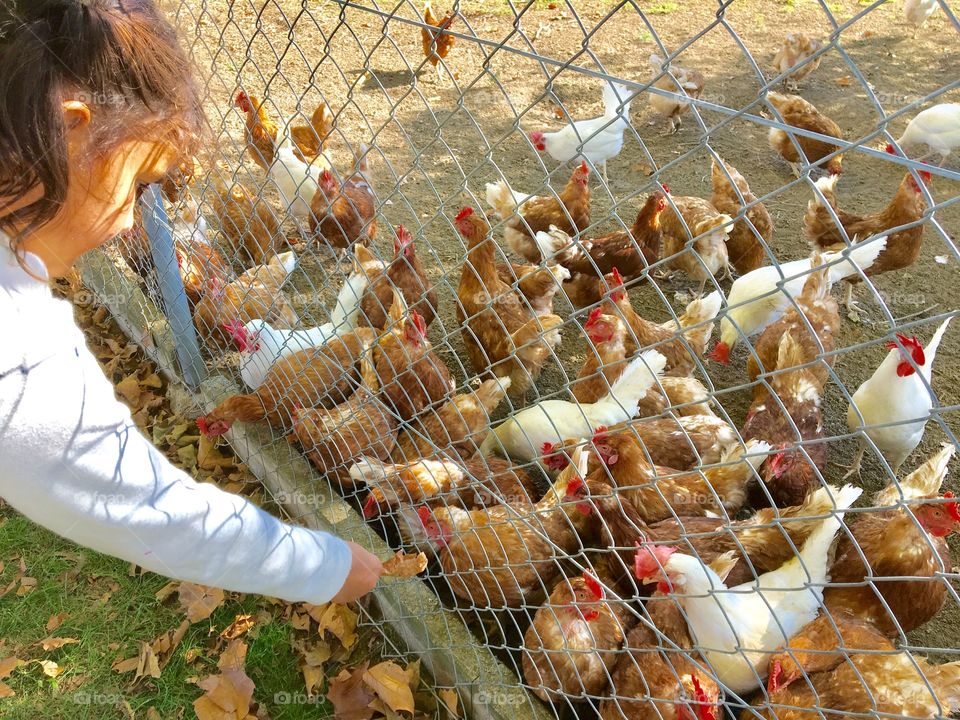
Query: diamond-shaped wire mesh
[(547, 538)]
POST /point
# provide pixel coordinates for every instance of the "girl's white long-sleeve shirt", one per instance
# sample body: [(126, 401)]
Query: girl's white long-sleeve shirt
[(72, 460)]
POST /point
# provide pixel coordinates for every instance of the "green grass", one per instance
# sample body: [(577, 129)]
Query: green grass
[(662, 8), (88, 687)]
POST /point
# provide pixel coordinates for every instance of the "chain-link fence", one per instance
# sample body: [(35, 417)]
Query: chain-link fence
[(360, 256)]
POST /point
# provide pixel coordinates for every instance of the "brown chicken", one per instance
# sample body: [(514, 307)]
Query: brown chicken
[(745, 249), (693, 217), (324, 376), (255, 295), (457, 427), (248, 223), (181, 177), (793, 470), (262, 132), (406, 274), (344, 213), (681, 444), (667, 338), (654, 680), (525, 218), (768, 537), (798, 113), (842, 666), (412, 376), (501, 333), (605, 362), (472, 484), (818, 312), (902, 248), (501, 557), (899, 542), (630, 252), (436, 43), (659, 492), (537, 284), (798, 49), (334, 439), (573, 642), (687, 82)]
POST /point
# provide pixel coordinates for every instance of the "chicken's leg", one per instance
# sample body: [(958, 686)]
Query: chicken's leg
[(857, 461), (853, 308)]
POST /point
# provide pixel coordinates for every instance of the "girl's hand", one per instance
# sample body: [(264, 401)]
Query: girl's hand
[(365, 570)]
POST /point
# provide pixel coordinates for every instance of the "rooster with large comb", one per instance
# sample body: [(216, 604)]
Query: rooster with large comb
[(892, 407)]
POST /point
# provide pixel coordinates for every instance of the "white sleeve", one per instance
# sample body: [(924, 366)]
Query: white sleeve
[(72, 460)]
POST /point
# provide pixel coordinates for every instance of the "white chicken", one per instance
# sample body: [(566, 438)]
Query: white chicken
[(261, 345), (917, 12), (737, 628), (295, 180), (597, 139), (937, 127), (896, 399), (760, 297), (522, 436)]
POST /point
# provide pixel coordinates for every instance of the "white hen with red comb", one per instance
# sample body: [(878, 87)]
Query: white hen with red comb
[(892, 407), (737, 628)]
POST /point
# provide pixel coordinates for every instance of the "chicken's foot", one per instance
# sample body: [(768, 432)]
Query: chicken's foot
[(857, 461)]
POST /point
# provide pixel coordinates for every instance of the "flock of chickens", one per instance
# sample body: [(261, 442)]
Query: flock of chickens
[(681, 607)]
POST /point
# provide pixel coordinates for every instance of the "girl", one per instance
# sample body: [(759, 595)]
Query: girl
[(96, 100)]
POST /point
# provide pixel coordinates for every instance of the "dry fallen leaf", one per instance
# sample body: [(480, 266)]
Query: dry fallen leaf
[(145, 663), (349, 695), (403, 565), (209, 458), (52, 643), (234, 657), (451, 700), (228, 697), (129, 390), (199, 601), (164, 645), (50, 668), (56, 621), (312, 662), (241, 625), (391, 683), (339, 620), (843, 81)]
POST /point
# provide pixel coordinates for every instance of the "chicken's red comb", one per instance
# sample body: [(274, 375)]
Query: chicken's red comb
[(649, 560), (242, 101), (371, 508), (327, 179), (418, 322), (576, 485), (202, 425), (594, 316), (666, 188), (913, 345), (617, 278), (464, 213), (706, 710), (952, 507), (601, 432), (593, 585), (425, 516), (773, 682), (583, 166), (403, 236)]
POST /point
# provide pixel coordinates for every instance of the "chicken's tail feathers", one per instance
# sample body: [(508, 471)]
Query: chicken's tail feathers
[(930, 351), (828, 188), (702, 309), (862, 256), (491, 392), (817, 285), (501, 198), (490, 444), (946, 680), (754, 452), (368, 470), (924, 482), (616, 100), (550, 244), (817, 547), (637, 378)]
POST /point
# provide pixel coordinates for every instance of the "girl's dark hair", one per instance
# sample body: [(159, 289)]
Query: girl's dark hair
[(121, 57)]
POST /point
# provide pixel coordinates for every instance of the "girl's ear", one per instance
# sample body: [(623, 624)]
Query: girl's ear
[(76, 115)]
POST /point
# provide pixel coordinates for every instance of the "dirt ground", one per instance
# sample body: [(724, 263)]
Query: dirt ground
[(434, 145)]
